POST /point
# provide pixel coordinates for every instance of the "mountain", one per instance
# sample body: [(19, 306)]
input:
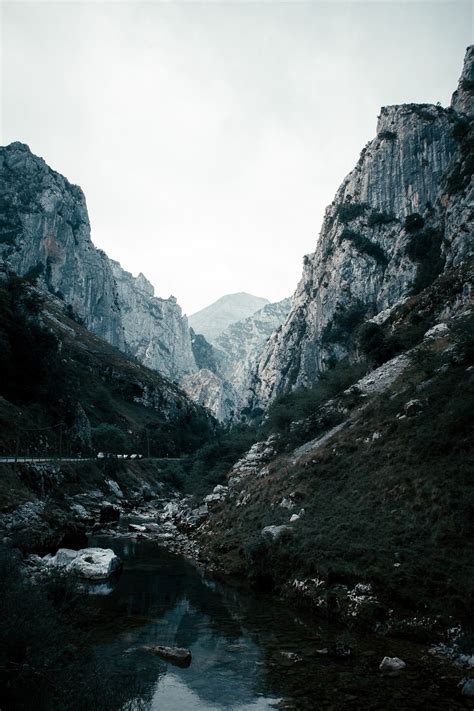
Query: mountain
[(399, 219), (45, 234), (355, 499), (214, 319), (65, 388), (222, 382)]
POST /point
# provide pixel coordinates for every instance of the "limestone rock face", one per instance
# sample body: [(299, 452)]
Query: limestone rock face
[(399, 218), (463, 97), (45, 232), (215, 318), (156, 332), (242, 342), (212, 391), (44, 227), (222, 382)]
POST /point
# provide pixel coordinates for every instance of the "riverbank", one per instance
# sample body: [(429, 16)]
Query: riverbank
[(132, 507)]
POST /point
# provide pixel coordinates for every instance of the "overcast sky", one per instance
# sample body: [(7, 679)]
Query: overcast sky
[(209, 137)]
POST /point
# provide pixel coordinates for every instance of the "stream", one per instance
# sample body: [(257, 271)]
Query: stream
[(249, 652)]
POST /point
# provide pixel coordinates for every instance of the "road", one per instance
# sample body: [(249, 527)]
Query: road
[(10, 458)]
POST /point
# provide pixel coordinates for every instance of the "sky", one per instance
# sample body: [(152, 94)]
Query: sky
[(208, 137)]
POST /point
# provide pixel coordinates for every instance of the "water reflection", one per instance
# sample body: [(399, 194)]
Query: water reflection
[(161, 600), (249, 652)]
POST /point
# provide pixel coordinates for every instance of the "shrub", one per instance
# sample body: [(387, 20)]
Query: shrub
[(380, 218), (348, 211), (365, 246), (344, 322), (414, 222), (109, 438), (425, 248), (387, 135)]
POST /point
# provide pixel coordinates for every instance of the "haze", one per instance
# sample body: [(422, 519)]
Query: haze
[(209, 137)]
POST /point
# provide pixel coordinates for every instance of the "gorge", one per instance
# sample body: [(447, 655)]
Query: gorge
[(316, 451)]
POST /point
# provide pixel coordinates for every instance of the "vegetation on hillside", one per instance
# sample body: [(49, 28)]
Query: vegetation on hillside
[(390, 500), (66, 391)]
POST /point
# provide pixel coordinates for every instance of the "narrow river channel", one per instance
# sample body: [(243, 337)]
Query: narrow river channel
[(249, 652)]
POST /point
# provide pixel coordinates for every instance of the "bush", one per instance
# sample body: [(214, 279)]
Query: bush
[(110, 438), (348, 211), (344, 323), (414, 222), (298, 405), (380, 218), (365, 246), (425, 248), (387, 135)]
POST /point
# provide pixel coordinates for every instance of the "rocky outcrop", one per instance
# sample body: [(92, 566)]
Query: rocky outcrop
[(215, 318), (212, 391), (463, 99), (399, 218), (222, 382), (45, 234), (155, 330), (243, 341)]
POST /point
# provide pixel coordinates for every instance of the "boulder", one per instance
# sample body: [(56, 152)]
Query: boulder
[(413, 407), (176, 655), (115, 488), (89, 563), (392, 664), (136, 528), (468, 688), (275, 532)]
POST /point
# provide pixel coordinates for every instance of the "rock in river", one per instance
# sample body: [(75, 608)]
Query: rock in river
[(89, 563), (392, 664), (176, 655)]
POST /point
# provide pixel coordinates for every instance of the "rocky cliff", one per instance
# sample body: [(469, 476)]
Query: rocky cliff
[(402, 216), (155, 330), (45, 233), (222, 382)]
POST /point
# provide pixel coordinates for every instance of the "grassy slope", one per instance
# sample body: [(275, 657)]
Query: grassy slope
[(81, 369), (405, 497)]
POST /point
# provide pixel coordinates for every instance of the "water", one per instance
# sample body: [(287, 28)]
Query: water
[(249, 652)]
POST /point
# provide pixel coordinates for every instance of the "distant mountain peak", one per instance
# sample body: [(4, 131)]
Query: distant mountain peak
[(215, 318)]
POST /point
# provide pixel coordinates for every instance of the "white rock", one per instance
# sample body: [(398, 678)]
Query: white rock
[(90, 563), (391, 664), (275, 532), (115, 488), (468, 688), (438, 331)]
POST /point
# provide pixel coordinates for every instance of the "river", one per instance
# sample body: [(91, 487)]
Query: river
[(249, 652)]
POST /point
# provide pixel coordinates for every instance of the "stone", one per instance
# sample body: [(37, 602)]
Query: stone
[(90, 563), (176, 655), (468, 688), (412, 407), (276, 532), (79, 511), (136, 528), (392, 664), (438, 331), (115, 488)]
